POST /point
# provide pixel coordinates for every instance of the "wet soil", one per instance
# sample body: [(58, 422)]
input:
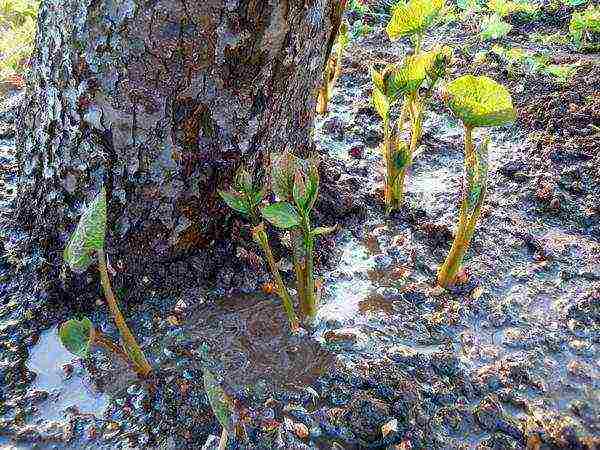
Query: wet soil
[(508, 360)]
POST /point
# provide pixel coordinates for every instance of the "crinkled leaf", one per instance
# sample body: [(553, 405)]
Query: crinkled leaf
[(218, 400), (480, 101), (413, 17), (235, 201), (76, 336), (282, 215), (438, 61), (89, 235), (406, 78)]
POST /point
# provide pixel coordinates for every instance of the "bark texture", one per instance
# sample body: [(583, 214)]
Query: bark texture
[(160, 101)]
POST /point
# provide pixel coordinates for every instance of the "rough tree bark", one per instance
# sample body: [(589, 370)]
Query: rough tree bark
[(160, 101)]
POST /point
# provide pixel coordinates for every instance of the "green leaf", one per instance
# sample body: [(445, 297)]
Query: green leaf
[(480, 101), (282, 215), (235, 201), (306, 185), (437, 62), (218, 400), (406, 78), (585, 26), (381, 104), (243, 180), (321, 231), (377, 79), (413, 17), (89, 235), (76, 336)]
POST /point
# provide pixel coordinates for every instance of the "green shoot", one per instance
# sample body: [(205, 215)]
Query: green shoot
[(296, 184), (413, 82), (333, 69), (77, 336), (221, 405), (477, 102), (246, 200)]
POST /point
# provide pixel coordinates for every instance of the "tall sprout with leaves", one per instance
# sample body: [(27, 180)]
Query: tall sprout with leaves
[(296, 184), (413, 83), (246, 198), (333, 68), (477, 102), (584, 29), (79, 335)]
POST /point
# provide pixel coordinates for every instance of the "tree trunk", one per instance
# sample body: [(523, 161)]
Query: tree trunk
[(160, 101)]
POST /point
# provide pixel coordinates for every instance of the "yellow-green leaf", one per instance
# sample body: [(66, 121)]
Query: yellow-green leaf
[(413, 17), (380, 103), (218, 400), (480, 101)]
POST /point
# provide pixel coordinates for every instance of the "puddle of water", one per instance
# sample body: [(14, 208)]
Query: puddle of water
[(47, 359)]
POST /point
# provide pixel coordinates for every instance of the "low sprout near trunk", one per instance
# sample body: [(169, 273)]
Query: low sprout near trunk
[(296, 184), (477, 102), (79, 335)]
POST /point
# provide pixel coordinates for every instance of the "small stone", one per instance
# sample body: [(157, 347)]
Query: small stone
[(341, 336), (356, 152)]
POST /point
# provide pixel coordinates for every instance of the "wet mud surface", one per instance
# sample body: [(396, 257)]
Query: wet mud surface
[(509, 360)]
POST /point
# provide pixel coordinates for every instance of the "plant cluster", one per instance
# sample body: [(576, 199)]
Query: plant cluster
[(584, 29), (412, 82), (295, 184), (476, 101)]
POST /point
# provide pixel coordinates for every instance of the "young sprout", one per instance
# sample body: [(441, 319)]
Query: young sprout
[(477, 102), (333, 69), (246, 199), (405, 81), (221, 405), (78, 336), (296, 184)]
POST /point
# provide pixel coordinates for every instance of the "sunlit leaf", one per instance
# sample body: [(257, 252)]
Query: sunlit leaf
[(480, 101), (380, 103), (321, 231), (407, 77), (88, 236), (235, 201), (493, 27), (413, 17), (76, 336), (282, 215)]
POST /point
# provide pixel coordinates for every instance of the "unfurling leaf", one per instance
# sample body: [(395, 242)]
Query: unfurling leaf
[(439, 61), (243, 180), (88, 236), (219, 401), (400, 155), (235, 201), (377, 79), (380, 103), (76, 336), (413, 17), (282, 215), (306, 185), (283, 168), (406, 78), (480, 101)]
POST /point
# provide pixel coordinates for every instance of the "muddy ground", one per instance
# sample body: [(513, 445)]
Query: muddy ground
[(510, 359)]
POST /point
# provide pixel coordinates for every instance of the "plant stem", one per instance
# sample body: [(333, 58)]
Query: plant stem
[(322, 100), (223, 440), (130, 344), (263, 240), (309, 307), (102, 340), (467, 222)]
